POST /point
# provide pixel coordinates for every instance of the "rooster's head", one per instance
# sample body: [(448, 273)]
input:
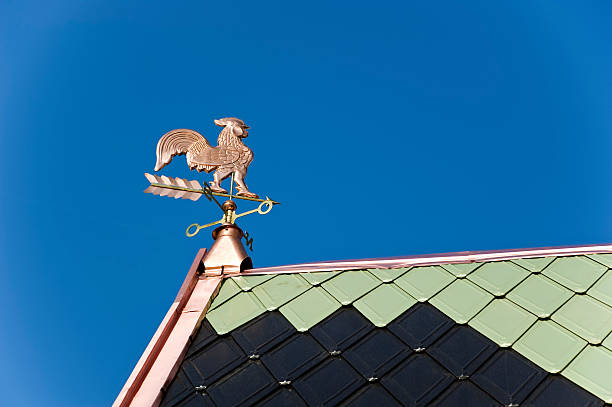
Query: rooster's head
[(236, 126)]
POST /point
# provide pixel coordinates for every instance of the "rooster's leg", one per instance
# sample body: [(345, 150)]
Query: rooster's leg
[(219, 176), (241, 186)]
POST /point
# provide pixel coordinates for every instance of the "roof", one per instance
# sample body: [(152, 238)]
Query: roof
[(529, 327)]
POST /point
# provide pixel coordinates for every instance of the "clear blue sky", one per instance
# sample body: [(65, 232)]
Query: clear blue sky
[(385, 128)]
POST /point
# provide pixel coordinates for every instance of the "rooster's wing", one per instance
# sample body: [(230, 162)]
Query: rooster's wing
[(204, 157)]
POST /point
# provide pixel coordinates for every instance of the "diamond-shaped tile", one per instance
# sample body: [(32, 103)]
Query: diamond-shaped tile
[(602, 289), (604, 258), (462, 350), (586, 317), (558, 391), (498, 277), (502, 321), (247, 283), (461, 270), (424, 282), (576, 273), (213, 362), (388, 275), (549, 345), (262, 333), (421, 326), (280, 289), (463, 393), (341, 329), (179, 389), (235, 312), (228, 290), (592, 369), (310, 308), (461, 300), (508, 377), (318, 277), (206, 334), (376, 354), (329, 383), (534, 264), (417, 381), (540, 295), (347, 286), (284, 396), (247, 384), (383, 304), (294, 357)]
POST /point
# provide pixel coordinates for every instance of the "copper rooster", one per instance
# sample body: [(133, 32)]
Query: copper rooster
[(231, 156)]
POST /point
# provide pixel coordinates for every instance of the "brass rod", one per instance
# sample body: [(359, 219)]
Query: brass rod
[(201, 191)]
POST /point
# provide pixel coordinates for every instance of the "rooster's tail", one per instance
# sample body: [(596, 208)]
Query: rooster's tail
[(175, 142)]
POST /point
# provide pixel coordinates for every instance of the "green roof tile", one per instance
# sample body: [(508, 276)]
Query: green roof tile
[(549, 345), (383, 304), (498, 277), (229, 288), (502, 321), (536, 264), (310, 308), (247, 283), (461, 269), (605, 258), (586, 317), (235, 312), (424, 282), (576, 273), (592, 369), (318, 277), (388, 275), (280, 289), (540, 295), (608, 342), (347, 286), (461, 300), (602, 289)]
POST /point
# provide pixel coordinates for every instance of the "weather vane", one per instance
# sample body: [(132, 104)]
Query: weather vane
[(231, 158)]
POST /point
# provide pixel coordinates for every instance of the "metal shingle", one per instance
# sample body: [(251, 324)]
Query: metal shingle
[(540, 295), (502, 321), (586, 317), (602, 289), (536, 264), (460, 270), (576, 273), (310, 308), (549, 345), (498, 277), (235, 312), (383, 304), (280, 289), (346, 287), (461, 300), (424, 282), (388, 275), (592, 369)]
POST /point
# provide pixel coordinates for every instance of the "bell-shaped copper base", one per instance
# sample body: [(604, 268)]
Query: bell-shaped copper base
[(227, 254)]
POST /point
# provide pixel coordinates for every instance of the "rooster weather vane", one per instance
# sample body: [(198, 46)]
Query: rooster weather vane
[(230, 158)]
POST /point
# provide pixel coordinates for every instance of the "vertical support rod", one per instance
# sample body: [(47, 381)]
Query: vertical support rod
[(232, 187)]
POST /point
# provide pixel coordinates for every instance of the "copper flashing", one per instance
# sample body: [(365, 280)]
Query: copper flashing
[(160, 360), (432, 259), (227, 255)]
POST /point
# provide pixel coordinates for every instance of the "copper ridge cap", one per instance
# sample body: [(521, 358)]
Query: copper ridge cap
[(227, 254), (431, 259)]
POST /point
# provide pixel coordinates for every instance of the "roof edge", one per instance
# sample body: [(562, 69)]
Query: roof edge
[(159, 361), (433, 259)]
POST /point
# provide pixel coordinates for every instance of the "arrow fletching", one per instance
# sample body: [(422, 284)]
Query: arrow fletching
[(174, 187)]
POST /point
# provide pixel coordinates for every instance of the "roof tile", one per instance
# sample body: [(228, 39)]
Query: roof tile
[(549, 345), (347, 286), (604, 258), (248, 384), (371, 395), (376, 354), (309, 308), (558, 391), (295, 356), (461, 300), (464, 393), (329, 383), (424, 282), (602, 289), (421, 326), (228, 290), (383, 304), (535, 264), (247, 283), (577, 273), (592, 369), (586, 317), (388, 275), (280, 289), (608, 342), (460, 270), (502, 321), (498, 277), (235, 312), (318, 277), (540, 295), (341, 329)]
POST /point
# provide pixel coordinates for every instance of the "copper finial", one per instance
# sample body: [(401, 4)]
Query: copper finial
[(227, 255)]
